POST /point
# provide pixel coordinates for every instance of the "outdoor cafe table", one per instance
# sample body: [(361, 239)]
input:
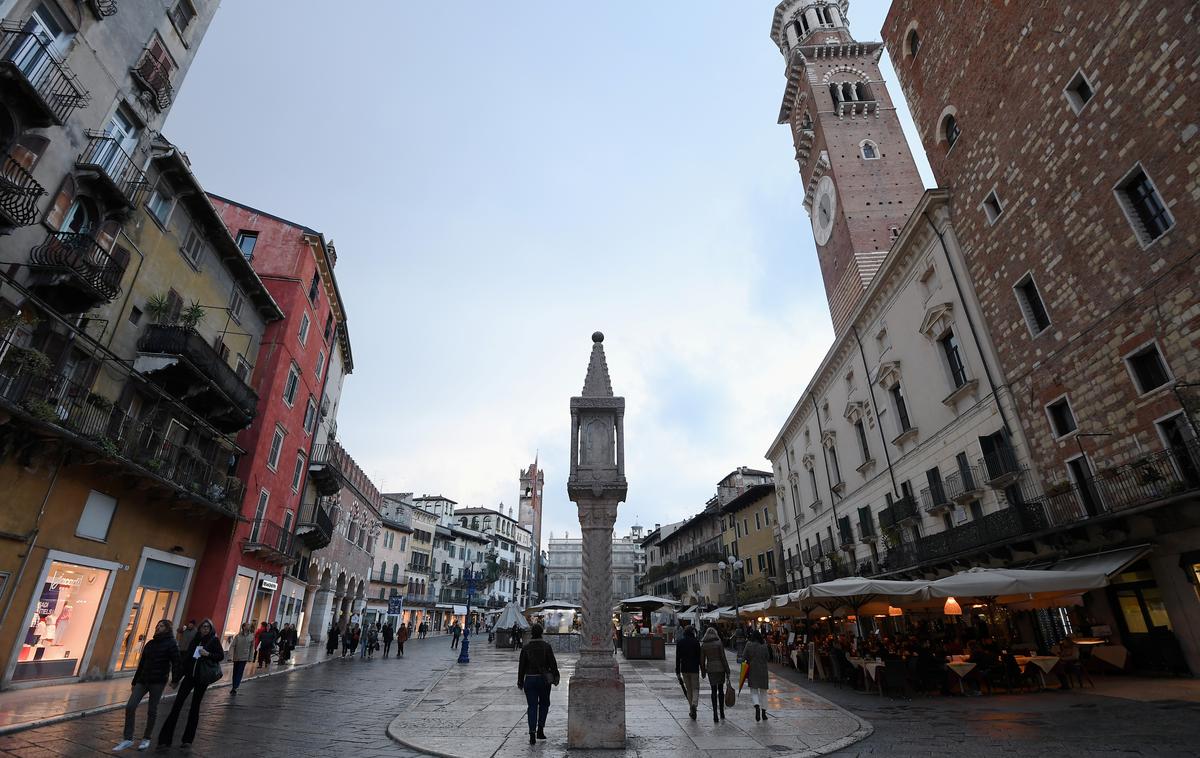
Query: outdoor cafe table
[(871, 670), (960, 668), (1043, 663)]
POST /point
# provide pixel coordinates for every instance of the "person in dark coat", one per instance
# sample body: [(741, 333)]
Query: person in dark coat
[(266, 644), (331, 644), (715, 666), (687, 668), (401, 638), (159, 663), (758, 677), (537, 671), (387, 635), (206, 644)]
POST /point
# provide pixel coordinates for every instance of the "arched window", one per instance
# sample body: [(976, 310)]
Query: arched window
[(81, 217), (487, 523), (396, 574), (382, 571), (869, 151), (950, 130), (825, 14), (475, 523), (862, 91), (835, 91), (912, 44), (463, 522)]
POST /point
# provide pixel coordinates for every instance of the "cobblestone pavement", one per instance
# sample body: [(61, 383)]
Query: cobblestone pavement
[(338, 708), (482, 701), (1074, 723)]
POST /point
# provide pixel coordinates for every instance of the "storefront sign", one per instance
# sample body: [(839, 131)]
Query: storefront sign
[(395, 605), (269, 583)]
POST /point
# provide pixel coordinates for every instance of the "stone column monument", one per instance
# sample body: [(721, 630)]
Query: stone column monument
[(596, 711)]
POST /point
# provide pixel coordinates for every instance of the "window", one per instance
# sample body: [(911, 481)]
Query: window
[(320, 363), (243, 368), (901, 408), (276, 448), (1143, 206), (958, 370), (328, 327), (950, 131), (159, 204), (861, 431), (310, 415), (913, 43), (260, 513), (291, 385), (766, 516), (869, 151), (833, 463), (757, 522), (298, 472), (812, 480), (1062, 420), (1079, 91), (236, 300), (193, 246), (992, 207), (304, 324), (135, 315), (154, 72), (1148, 368), (1030, 302), (182, 15), (246, 242), (97, 516), (314, 288)]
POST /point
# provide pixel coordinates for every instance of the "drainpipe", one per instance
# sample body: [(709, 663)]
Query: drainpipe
[(32, 538), (875, 406), (828, 478)]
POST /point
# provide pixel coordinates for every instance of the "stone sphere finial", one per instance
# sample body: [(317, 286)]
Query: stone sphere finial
[(597, 337)]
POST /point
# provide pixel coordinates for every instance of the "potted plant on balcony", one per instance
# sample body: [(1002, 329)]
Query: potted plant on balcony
[(26, 361)]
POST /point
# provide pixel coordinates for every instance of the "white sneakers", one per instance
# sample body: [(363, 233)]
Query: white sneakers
[(122, 745), (145, 745)]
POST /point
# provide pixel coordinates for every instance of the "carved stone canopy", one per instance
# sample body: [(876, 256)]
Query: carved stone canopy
[(889, 374), (856, 410), (809, 460), (938, 319), (597, 434), (829, 438)]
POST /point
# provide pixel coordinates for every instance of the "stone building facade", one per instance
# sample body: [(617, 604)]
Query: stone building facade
[(1074, 177), (564, 567), (507, 559)]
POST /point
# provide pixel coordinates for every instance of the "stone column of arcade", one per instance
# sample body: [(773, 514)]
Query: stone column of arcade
[(596, 709)]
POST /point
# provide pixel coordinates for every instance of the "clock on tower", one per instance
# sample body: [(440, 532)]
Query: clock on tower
[(860, 180)]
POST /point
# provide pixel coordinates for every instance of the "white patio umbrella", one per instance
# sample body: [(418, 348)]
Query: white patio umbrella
[(647, 602), (1015, 585), (716, 614), (511, 615), (855, 592)]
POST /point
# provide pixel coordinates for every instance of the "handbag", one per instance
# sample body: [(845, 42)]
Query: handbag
[(730, 695), (551, 678), (206, 672)]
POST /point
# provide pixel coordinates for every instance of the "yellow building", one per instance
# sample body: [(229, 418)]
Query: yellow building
[(118, 402), (749, 533)]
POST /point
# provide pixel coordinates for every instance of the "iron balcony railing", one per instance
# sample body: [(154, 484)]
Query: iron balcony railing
[(19, 192), (421, 597), (845, 531), (698, 557), (269, 536), (52, 398), (185, 342), (807, 556), (315, 526), (154, 76), (80, 256), (866, 529), (35, 66), (934, 497), (964, 483), (1000, 467), (104, 8), (826, 546), (104, 154), (421, 568)]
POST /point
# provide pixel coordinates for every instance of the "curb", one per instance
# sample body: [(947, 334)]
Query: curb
[(170, 695), (417, 701)]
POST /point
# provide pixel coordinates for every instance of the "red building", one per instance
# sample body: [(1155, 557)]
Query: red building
[(245, 566)]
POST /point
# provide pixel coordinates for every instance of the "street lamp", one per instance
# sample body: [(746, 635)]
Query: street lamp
[(464, 655), (729, 569)]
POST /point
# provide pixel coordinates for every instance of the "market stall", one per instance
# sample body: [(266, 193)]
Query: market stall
[(645, 644)]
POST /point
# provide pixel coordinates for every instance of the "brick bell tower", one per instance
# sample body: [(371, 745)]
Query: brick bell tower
[(860, 181)]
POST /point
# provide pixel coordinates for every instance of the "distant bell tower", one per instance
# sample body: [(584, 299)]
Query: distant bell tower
[(860, 181), (529, 511)]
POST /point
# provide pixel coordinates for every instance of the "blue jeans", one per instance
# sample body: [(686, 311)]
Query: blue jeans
[(239, 670), (537, 694)]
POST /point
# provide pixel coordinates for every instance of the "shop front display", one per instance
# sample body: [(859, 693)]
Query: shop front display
[(61, 622), (156, 598), (238, 602)]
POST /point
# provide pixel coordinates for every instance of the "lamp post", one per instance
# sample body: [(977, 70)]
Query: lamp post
[(464, 654), (729, 569)]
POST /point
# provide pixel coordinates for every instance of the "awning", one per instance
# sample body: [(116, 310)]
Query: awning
[(1109, 563), (460, 610)]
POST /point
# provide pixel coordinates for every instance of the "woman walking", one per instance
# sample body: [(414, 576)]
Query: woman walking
[(401, 638), (332, 643), (242, 652), (715, 666), (199, 660), (536, 673), (158, 664), (757, 655), (266, 644)]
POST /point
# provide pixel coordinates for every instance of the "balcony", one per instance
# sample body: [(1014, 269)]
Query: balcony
[(965, 485), (421, 598), (31, 72), (104, 8), (269, 541), (327, 467), (19, 193), (845, 532), (826, 546), (934, 498), (903, 509), (1000, 468), (806, 556), (154, 77), (424, 569), (73, 273), (815, 505), (112, 170), (698, 557), (189, 368), (866, 531), (315, 527)]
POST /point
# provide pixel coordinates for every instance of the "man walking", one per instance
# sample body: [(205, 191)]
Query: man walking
[(455, 633), (687, 667), (387, 635)]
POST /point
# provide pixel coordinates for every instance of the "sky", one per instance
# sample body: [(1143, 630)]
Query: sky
[(503, 179)]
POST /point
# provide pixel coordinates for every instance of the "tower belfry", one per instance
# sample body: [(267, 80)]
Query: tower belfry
[(860, 180)]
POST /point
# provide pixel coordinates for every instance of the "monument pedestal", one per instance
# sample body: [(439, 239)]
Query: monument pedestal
[(596, 711)]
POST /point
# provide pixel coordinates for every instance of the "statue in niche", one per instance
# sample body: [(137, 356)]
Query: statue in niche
[(597, 444)]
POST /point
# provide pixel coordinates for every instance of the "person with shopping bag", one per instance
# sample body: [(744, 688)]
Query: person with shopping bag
[(201, 668), (754, 669), (714, 666)]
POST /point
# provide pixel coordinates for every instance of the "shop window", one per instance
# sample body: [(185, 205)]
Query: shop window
[(1148, 369), (61, 622), (155, 599), (97, 516)]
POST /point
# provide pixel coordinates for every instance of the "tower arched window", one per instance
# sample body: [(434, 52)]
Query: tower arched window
[(870, 151), (950, 130), (487, 523), (913, 43), (862, 91), (835, 91), (825, 14), (475, 523)]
